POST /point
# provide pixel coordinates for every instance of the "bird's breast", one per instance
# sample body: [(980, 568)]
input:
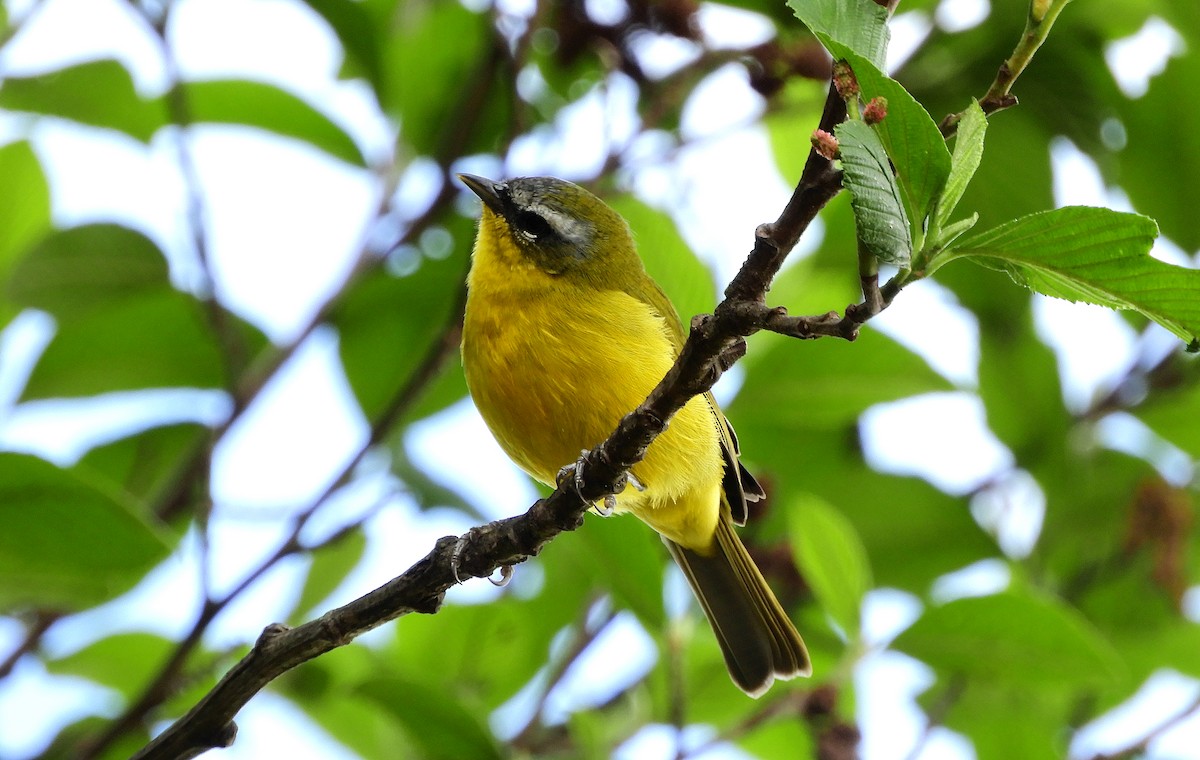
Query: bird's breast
[(553, 370)]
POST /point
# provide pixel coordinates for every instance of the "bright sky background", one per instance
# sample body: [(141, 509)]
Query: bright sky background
[(284, 223)]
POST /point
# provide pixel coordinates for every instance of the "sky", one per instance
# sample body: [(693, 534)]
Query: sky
[(283, 226)]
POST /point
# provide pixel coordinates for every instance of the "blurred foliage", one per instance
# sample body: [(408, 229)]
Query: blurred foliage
[(1097, 605)]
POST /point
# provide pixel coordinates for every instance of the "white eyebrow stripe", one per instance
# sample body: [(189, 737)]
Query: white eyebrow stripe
[(568, 227)]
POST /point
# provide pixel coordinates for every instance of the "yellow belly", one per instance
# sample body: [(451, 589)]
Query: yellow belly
[(551, 379)]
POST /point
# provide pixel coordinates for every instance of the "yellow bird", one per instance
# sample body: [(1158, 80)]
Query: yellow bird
[(565, 333)]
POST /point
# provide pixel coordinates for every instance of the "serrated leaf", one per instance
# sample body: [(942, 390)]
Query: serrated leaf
[(832, 559), (1018, 637), (25, 212), (330, 566), (968, 152), (1094, 255), (860, 25), (65, 543), (919, 158), (76, 271), (96, 93), (257, 104), (878, 209)]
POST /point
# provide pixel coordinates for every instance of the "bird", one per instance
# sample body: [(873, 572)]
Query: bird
[(564, 333)]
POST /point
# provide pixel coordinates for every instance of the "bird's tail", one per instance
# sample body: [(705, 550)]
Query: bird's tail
[(756, 636)]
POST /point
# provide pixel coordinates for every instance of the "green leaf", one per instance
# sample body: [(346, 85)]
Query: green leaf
[(65, 543), (1094, 255), (1015, 637), (330, 566), (878, 209), (668, 258), (440, 725), (625, 555), (917, 150), (124, 662), (25, 212), (388, 325), (1160, 161), (1005, 722), (860, 25), (257, 104), (156, 341), (77, 271), (829, 380), (96, 93), (149, 464), (968, 152), (421, 101), (832, 559), (358, 33)]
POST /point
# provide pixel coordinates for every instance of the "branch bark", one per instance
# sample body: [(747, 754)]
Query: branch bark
[(715, 341)]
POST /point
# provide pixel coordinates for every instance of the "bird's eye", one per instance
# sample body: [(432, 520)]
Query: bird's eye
[(533, 225)]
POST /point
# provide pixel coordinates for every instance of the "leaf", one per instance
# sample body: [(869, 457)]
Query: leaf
[(832, 559), (1015, 637), (829, 380), (65, 543), (389, 324), (1094, 255), (330, 566), (878, 209), (668, 258), (1160, 162), (146, 465), (257, 104), (358, 33), (77, 271), (441, 726), (25, 212), (96, 93), (156, 341), (968, 152), (860, 25), (420, 46), (624, 555), (912, 140), (124, 662)]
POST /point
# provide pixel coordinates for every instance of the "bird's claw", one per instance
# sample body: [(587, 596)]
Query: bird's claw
[(506, 574), (506, 571), (610, 506), (456, 557), (574, 471)]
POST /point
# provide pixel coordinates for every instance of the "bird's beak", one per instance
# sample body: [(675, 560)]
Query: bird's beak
[(487, 190)]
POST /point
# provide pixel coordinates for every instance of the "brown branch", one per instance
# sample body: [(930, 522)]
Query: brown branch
[(41, 622), (715, 341)]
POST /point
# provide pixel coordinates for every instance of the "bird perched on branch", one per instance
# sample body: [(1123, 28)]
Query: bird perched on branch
[(565, 333)]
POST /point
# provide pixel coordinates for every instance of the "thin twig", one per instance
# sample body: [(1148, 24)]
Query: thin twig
[(713, 342), (1041, 17), (584, 637)]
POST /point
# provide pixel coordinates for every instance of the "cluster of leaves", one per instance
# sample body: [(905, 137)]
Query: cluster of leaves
[(1091, 612)]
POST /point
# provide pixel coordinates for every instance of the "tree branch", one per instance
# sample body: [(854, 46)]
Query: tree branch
[(715, 341)]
